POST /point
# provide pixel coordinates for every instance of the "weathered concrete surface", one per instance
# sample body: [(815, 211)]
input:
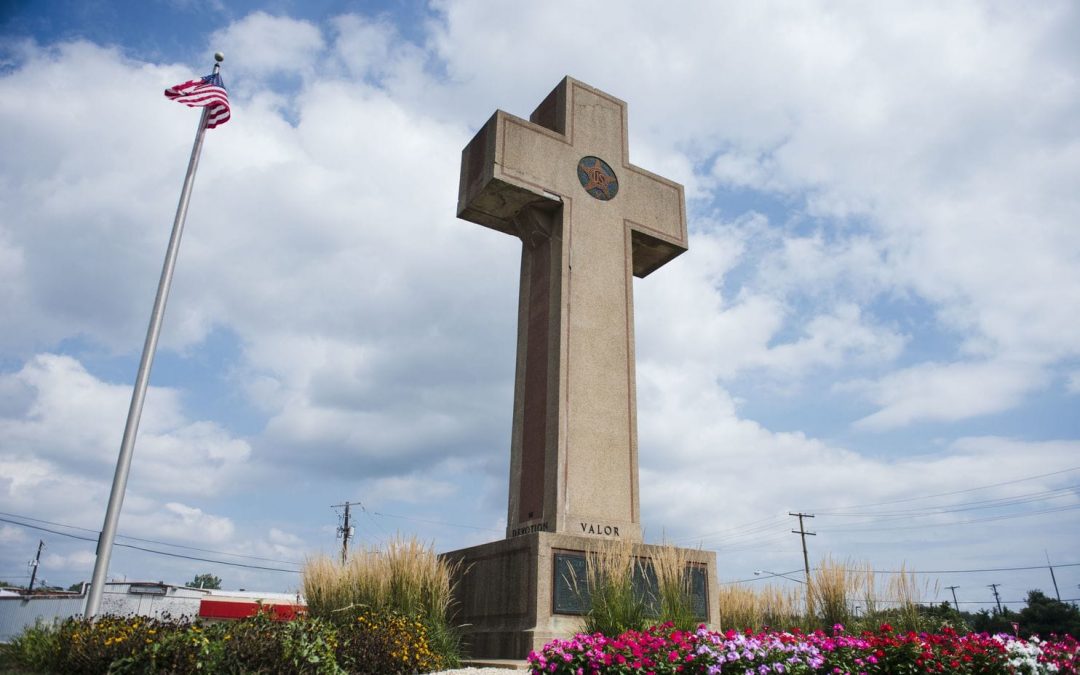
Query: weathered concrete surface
[(589, 221), (574, 457), (504, 597)]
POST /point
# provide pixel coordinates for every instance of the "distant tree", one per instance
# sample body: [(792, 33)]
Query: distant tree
[(75, 587), (985, 621), (205, 581), (1044, 616), (936, 617)]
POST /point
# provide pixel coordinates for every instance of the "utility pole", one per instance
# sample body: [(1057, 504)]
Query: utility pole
[(805, 558), (345, 531), (802, 533), (1052, 577), (954, 602), (996, 596), (37, 560)]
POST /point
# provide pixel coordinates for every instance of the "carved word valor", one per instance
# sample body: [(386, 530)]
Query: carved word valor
[(607, 530)]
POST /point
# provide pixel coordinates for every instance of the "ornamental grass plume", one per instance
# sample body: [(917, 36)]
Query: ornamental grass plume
[(832, 587), (615, 603), (770, 606), (780, 608), (404, 578), (868, 589), (905, 591), (675, 604), (740, 607)]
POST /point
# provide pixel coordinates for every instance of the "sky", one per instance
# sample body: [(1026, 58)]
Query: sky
[(877, 321)]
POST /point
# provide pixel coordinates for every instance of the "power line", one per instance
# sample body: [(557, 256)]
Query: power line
[(989, 569), (962, 602), (375, 521), (758, 578), (876, 571), (752, 527), (150, 541), (954, 492), (154, 551), (924, 526), (433, 522), (998, 502)]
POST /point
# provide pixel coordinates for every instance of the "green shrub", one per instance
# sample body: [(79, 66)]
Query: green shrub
[(406, 578), (112, 644), (172, 646), (386, 643), (36, 649)]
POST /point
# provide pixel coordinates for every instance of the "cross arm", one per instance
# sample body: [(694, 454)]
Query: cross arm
[(657, 219), (497, 179)]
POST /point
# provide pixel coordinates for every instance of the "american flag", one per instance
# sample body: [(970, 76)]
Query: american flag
[(207, 92)]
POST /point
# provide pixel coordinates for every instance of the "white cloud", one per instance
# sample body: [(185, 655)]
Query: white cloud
[(840, 164), (261, 45), (705, 470), (77, 561), (64, 415), (947, 392), (684, 316), (9, 535)]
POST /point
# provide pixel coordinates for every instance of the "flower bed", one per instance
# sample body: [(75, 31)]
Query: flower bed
[(662, 650), (373, 643)]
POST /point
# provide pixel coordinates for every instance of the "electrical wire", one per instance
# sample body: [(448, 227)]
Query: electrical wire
[(154, 551), (998, 502), (923, 526), (760, 578), (947, 494), (752, 527), (433, 522), (151, 541), (988, 569)]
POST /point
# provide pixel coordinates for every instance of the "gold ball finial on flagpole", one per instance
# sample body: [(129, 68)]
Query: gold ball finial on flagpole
[(219, 57)]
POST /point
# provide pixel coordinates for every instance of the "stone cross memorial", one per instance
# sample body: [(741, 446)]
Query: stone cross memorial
[(588, 219)]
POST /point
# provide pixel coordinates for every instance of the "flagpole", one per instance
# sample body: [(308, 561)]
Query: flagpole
[(131, 428)]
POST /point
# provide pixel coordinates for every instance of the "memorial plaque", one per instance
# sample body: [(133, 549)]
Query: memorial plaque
[(571, 585), (572, 595), (699, 591)]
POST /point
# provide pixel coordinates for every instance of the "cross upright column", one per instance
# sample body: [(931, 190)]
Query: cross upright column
[(588, 220)]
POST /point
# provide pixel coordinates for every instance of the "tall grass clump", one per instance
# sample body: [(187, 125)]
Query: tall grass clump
[(675, 603), (770, 606), (835, 594), (739, 607), (630, 587), (832, 589), (904, 591), (781, 608), (405, 578), (615, 604), (868, 590)]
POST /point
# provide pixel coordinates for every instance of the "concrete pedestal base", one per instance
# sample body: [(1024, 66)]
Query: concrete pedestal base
[(505, 592)]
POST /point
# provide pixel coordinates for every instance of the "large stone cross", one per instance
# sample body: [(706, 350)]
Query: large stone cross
[(562, 181)]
